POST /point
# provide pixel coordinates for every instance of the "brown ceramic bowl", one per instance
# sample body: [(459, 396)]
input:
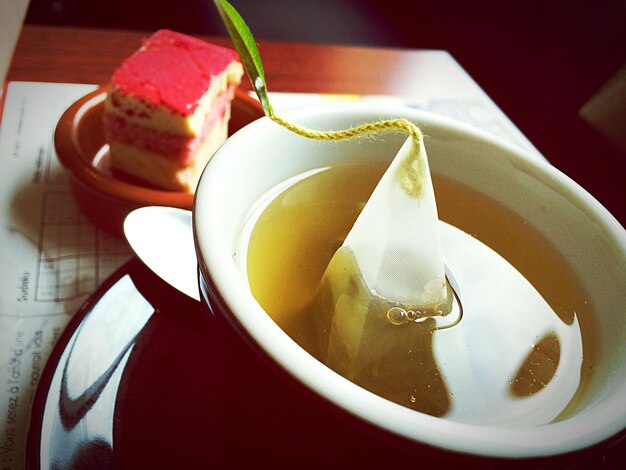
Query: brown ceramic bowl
[(105, 197)]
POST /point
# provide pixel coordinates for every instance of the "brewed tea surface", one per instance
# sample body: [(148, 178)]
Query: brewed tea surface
[(516, 357)]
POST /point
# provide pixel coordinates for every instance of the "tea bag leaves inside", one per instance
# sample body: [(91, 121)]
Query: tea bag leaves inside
[(357, 341)]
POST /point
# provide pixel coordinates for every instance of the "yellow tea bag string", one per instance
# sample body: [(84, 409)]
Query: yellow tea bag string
[(411, 170), (368, 128)]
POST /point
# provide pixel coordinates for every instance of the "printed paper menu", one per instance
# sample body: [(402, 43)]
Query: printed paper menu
[(51, 258)]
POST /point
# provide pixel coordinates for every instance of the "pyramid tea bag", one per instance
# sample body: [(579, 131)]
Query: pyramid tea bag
[(385, 284)]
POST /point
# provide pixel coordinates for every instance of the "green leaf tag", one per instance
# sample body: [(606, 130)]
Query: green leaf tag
[(248, 52)]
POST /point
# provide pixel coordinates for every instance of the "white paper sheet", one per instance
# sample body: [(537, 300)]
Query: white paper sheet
[(51, 257)]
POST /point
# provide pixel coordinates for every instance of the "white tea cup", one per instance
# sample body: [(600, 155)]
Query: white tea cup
[(262, 155)]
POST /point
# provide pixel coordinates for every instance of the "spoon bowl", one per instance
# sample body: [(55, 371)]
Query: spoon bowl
[(162, 238)]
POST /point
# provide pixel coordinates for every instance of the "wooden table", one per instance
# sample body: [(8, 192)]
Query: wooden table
[(75, 55)]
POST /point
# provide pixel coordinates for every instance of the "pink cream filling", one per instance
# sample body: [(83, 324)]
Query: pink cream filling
[(181, 148)]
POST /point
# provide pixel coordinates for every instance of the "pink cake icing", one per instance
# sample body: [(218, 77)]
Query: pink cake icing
[(168, 108)]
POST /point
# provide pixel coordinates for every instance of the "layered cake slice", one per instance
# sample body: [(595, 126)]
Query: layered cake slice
[(168, 107)]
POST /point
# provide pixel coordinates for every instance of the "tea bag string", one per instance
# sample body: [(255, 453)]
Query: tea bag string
[(412, 169), (368, 128)]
